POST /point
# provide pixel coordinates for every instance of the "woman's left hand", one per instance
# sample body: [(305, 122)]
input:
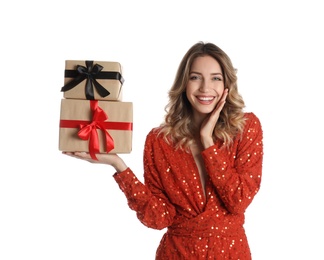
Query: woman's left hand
[(208, 125)]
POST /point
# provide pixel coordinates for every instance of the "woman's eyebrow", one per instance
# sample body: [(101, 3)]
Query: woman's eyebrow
[(213, 73)]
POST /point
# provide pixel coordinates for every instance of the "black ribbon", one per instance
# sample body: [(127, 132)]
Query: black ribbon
[(91, 73)]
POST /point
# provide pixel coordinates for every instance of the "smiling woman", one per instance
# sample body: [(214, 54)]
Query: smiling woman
[(202, 165)]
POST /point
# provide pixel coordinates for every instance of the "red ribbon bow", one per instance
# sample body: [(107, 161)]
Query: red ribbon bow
[(89, 131)]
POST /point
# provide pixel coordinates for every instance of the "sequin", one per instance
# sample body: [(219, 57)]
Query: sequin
[(198, 225)]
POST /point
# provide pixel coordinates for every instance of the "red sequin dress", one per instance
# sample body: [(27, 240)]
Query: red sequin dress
[(199, 225)]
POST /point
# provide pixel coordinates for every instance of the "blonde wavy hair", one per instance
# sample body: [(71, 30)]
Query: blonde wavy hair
[(177, 127)]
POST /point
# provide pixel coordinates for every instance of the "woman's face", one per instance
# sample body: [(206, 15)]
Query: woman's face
[(205, 86)]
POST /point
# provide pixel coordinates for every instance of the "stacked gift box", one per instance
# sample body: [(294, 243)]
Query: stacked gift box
[(94, 118)]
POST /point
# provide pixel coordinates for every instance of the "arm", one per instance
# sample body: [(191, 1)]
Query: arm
[(148, 200), (237, 180), (152, 207)]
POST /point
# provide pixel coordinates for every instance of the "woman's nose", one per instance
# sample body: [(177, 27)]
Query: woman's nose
[(204, 86)]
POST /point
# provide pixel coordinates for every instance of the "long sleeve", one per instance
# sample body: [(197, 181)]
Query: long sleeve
[(236, 173), (153, 208)]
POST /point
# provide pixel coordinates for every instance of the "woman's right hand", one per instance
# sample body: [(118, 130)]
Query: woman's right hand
[(103, 158)]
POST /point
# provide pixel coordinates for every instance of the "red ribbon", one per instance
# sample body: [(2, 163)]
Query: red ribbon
[(88, 129)]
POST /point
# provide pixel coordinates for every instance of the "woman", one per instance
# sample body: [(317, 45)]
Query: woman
[(202, 166)]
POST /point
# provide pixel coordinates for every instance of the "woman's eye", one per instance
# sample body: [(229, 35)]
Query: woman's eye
[(194, 77), (217, 78)]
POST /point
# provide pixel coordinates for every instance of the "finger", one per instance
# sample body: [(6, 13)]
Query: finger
[(69, 154), (79, 155), (224, 96), (219, 107), (221, 102), (82, 154)]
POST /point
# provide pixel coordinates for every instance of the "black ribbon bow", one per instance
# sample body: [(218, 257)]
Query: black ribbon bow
[(91, 73)]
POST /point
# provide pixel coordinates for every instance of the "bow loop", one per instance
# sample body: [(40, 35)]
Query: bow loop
[(99, 114), (85, 131), (91, 70)]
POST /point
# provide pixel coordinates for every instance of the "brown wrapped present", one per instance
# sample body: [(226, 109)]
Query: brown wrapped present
[(96, 126), (93, 80)]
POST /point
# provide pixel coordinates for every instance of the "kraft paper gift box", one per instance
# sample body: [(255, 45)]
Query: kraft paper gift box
[(93, 80), (95, 126)]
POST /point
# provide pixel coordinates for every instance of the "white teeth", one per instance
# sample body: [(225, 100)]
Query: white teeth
[(206, 98)]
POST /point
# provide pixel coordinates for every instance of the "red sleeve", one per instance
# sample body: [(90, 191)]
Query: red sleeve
[(236, 174), (153, 208)]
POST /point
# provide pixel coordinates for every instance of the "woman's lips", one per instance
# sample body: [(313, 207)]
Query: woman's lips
[(205, 99)]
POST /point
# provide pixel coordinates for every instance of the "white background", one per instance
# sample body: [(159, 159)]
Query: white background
[(55, 207)]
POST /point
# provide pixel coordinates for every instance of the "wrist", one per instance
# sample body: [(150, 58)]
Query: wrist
[(120, 166), (208, 142)]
